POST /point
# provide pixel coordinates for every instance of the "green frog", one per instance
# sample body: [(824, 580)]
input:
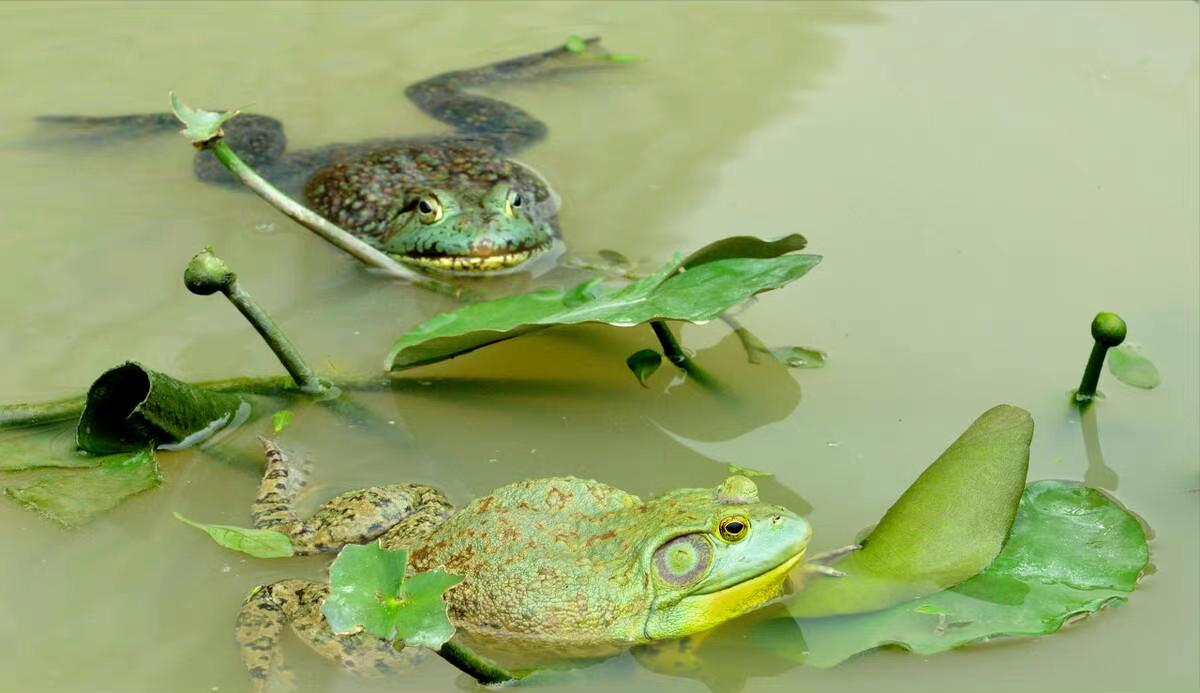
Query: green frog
[(455, 204), (557, 568)]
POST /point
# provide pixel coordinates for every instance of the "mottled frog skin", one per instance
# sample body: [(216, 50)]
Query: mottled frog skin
[(552, 568), (456, 203)]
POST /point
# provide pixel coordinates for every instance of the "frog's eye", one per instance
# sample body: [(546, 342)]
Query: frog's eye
[(512, 203), (429, 210), (734, 528), (683, 560)]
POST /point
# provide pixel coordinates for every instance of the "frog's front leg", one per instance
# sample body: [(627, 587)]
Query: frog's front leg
[(270, 607), (402, 514)]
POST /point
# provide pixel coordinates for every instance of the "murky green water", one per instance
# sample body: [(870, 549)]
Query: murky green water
[(981, 178)]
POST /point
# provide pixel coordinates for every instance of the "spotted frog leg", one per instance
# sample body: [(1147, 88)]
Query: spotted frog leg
[(400, 516)]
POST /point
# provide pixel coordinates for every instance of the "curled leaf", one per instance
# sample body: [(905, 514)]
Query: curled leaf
[(201, 125), (643, 364)]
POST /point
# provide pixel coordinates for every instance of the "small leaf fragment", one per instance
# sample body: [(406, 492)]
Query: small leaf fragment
[(74, 497), (368, 590), (575, 43), (747, 472), (614, 258), (1127, 363), (643, 364), (282, 420), (260, 543), (800, 357), (202, 125)]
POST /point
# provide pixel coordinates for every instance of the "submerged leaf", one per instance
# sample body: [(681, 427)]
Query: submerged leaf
[(747, 472), (202, 125), (673, 293), (260, 543), (1072, 551), (1127, 363), (368, 590), (945, 528), (282, 420), (46, 445), (643, 364), (800, 357), (73, 497)]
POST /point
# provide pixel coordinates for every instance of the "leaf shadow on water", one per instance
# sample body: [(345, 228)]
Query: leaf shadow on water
[(571, 375)]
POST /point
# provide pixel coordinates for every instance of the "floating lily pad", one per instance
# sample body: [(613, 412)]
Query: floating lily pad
[(46, 445), (368, 589), (945, 528), (1127, 363), (643, 364), (260, 543), (73, 497), (1072, 551), (695, 289)]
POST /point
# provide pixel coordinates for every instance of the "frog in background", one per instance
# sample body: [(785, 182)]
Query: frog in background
[(455, 204)]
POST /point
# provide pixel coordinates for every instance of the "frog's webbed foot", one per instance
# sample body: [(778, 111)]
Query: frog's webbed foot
[(505, 126), (260, 622), (817, 564)]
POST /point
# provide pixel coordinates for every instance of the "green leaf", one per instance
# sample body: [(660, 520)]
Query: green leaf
[(202, 125), (73, 497), (1072, 551), (576, 43), (744, 246), (643, 364), (800, 357), (713, 284), (747, 472), (260, 543), (368, 590), (46, 445), (131, 406), (945, 528), (1130, 367), (282, 420)]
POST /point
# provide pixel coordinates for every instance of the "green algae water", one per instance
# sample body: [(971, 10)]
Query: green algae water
[(982, 178)]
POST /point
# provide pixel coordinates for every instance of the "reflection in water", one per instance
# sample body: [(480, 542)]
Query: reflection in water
[(1098, 474)]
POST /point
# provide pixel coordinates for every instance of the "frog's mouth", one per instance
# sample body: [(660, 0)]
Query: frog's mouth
[(480, 260)]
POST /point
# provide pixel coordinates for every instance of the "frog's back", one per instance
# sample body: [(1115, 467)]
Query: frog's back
[(544, 561)]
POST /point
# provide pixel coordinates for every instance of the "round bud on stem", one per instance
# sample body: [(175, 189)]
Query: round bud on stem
[(1108, 329), (207, 274)]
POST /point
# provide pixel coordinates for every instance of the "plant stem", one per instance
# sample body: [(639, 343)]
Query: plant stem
[(480, 669), (358, 249), (676, 355), (287, 353), (1108, 329)]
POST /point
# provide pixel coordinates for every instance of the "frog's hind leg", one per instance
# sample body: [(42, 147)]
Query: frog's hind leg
[(504, 126), (404, 512), (271, 607)]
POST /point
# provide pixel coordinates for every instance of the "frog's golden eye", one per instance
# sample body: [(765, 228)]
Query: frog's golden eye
[(734, 528), (429, 210), (512, 203)]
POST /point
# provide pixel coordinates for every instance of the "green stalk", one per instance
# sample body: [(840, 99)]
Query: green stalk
[(1108, 329), (676, 355), (477, 667), (206, 274)]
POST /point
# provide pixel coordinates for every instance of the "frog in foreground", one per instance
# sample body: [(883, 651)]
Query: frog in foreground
[(557, 568), (454, 203)]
